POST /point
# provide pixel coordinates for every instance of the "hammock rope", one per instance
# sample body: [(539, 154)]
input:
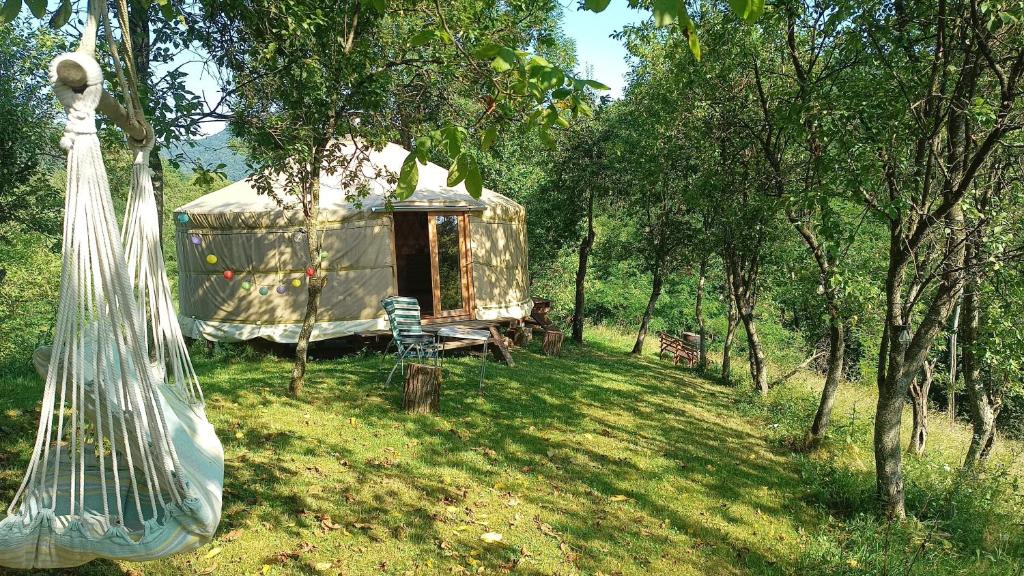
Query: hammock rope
[(125, 464)]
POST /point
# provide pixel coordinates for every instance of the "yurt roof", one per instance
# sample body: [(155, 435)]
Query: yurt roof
[(238, 205)]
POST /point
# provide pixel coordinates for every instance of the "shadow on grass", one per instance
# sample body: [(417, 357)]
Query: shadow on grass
[(628, 462)]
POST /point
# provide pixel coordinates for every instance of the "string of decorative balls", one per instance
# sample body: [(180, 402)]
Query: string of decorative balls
[(229, 274)]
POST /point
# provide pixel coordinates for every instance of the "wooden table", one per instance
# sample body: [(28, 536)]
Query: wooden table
[(460, 333)]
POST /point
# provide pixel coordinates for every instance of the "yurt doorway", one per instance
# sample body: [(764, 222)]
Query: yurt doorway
[(432, 262)]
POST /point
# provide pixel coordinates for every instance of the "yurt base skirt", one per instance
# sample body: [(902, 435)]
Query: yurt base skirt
[(222, 331)]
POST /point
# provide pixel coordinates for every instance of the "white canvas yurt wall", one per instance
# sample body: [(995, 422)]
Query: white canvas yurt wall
[(261, 244)]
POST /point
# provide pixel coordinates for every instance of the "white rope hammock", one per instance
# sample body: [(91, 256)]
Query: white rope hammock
[(125, 465)]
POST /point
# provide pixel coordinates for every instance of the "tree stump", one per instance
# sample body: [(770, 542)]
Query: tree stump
[(553, 342), (422, 389), (521, 336)]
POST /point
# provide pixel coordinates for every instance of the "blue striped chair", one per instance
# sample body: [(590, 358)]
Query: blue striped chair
[(408, 337)]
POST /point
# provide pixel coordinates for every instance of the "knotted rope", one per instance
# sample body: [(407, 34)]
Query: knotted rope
[(80, 106), (105, 414)]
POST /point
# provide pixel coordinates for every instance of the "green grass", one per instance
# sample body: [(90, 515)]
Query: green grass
[(592, 463)]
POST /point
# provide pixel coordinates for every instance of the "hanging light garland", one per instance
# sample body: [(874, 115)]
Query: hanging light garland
[(229, 274)]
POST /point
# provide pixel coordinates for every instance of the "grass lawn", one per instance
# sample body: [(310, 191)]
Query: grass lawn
[(592, 463)]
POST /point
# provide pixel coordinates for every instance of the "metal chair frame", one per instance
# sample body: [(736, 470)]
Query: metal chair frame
[(407, 335)]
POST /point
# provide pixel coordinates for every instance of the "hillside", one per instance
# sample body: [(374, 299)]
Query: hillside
[(211, 151), (592, 463)]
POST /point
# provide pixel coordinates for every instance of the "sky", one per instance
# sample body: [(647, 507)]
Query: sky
[(603, 58), (595, 48)]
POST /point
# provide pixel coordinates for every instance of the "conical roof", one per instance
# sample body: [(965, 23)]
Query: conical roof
[(239, 206)]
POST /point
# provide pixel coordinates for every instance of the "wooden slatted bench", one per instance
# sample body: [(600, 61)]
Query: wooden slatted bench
[(680, 349)]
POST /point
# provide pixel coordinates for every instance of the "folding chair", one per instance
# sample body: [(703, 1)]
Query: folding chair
[(408, 337)]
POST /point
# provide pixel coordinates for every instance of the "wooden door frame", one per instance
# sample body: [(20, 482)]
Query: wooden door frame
[(466, 272), (466, 312)]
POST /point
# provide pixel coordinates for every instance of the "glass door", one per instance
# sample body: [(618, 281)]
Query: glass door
[(451, 282)]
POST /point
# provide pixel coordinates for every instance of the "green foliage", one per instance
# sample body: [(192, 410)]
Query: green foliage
[(958, 517), (28, 296), (28, 142)]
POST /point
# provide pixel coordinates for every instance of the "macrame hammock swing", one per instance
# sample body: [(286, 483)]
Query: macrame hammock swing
[(125, 464)]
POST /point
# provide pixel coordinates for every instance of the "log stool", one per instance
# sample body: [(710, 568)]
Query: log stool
[(422, 389), (553, 342)]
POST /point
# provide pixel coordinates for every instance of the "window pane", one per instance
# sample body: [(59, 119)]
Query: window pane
[(449, 262)]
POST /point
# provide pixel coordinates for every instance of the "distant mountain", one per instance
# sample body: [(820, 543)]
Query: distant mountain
[(211, 151)]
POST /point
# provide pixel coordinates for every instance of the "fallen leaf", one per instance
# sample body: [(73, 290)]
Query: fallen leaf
[(214, 552), (323, 566), (567, 550), (546, 528), (619, 498), (231, 536), (491, 537), (327, 524), (282, 557)]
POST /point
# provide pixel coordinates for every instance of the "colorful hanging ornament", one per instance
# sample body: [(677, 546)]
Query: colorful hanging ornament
[(310, 271), (281, 289), (296, 283), (229, 275), (264, 290), (196, 239), (246, 285), (323, 256), (211, 259), (182, 218)]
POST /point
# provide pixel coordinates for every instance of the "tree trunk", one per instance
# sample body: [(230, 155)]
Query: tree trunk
[(919, 388), (758, 371), (702, 362), (138, 19), (314, 285), (586, 245), (984, 404), (905, 352), (732, 320), (834, 374), (313, 291), (951, 391), (638, 347), (889, 407), (888, 468), (742, 274)]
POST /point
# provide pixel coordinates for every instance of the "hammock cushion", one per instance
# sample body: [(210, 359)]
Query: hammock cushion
[(40, 538)]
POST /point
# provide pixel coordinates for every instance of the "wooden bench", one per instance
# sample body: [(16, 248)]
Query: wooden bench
[(681, 349)]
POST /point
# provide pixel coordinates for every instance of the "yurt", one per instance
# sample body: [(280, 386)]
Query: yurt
[(242, 260)]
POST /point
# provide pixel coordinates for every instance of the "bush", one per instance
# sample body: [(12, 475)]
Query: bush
[(959, 522), (28, 298)]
